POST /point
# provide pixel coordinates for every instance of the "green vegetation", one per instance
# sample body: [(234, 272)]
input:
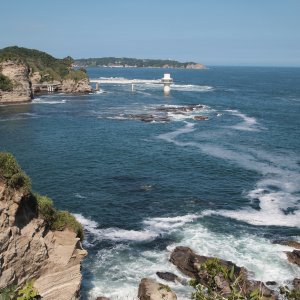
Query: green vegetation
[(164, 287), (8, 293), (134, 62), (26, 292), (56, 219), (63, 220), (5, 83), (289, 294), (212, 270), (76, 75), (12, 173), (45, 208), (49, 67)]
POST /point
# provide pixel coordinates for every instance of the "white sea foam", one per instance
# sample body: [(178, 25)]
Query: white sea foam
[(77, 195), (248, 124), (191, 88), (153, 228), (118, 270), (265, 260), (277, 191), (45, 101)]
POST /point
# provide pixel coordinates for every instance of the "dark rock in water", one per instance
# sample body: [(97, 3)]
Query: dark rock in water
[(171, 277), (296, 283), (189, 263), (149, 289), (271, 283), (148, 118), (179, 109), (200, 118), (294, 257), (102, 298), (290, 243), (167, 276)]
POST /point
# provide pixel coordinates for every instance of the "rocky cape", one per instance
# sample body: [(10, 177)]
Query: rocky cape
[(26, 83), (31, 252)]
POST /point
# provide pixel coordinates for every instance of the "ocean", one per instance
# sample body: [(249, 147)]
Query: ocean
[(227, 186)]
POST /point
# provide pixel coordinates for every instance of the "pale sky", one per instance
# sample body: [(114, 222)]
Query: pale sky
[(212, 32)]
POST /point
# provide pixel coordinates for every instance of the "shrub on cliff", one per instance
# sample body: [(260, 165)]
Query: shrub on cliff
[(56, 219), (76, 75), (5, 83), (12, 173), (38, 61), (64, 220), (45, 208)]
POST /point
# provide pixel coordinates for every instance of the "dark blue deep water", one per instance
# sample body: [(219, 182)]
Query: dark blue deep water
[(226, 187)]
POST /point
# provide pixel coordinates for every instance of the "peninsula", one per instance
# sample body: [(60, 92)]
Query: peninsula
[(115, 62), (24, 72)]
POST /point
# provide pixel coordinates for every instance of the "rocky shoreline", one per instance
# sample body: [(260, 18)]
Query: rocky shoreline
[(32, 254), (214, 278), (26, 83)]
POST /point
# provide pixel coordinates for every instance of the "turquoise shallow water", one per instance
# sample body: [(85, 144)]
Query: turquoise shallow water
[(227, 186)]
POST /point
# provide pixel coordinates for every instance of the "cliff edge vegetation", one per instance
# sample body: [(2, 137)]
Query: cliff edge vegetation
[(24, 72), (50, 68), (40, 248)]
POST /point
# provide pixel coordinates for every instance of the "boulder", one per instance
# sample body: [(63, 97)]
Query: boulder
[(149, 289), (296, 284), (76, 87), (189, 263), (102, 298), (294, 257), (200, 118), (167, 276)]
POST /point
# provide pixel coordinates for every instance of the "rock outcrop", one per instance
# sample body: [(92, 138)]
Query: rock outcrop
[(149, 289), (76, 87), (195, 66), (189, 263), (294, 257), (30, 251), (18, 73)]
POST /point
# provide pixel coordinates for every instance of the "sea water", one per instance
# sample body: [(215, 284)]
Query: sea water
[(226, 187)]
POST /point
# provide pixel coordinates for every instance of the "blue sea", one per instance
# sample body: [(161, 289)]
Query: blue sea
[(227, 186)]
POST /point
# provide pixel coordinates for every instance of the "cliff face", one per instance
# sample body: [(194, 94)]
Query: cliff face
[(29, 251), (72, 86), (18, 73), (195, 66)]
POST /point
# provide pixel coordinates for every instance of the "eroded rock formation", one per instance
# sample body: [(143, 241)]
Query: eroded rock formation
[(149, 289), (77, 87), (30, 251), (18, 73)]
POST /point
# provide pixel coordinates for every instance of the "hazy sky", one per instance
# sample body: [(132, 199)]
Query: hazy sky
[(213, 32)]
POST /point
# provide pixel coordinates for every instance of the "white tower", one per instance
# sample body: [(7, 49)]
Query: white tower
[(167, 80)]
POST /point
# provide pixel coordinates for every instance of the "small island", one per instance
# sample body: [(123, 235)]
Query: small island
[(124, 62)]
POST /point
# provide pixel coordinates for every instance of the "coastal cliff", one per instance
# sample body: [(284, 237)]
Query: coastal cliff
[(18, 86), (38, 244), (25, 72)]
